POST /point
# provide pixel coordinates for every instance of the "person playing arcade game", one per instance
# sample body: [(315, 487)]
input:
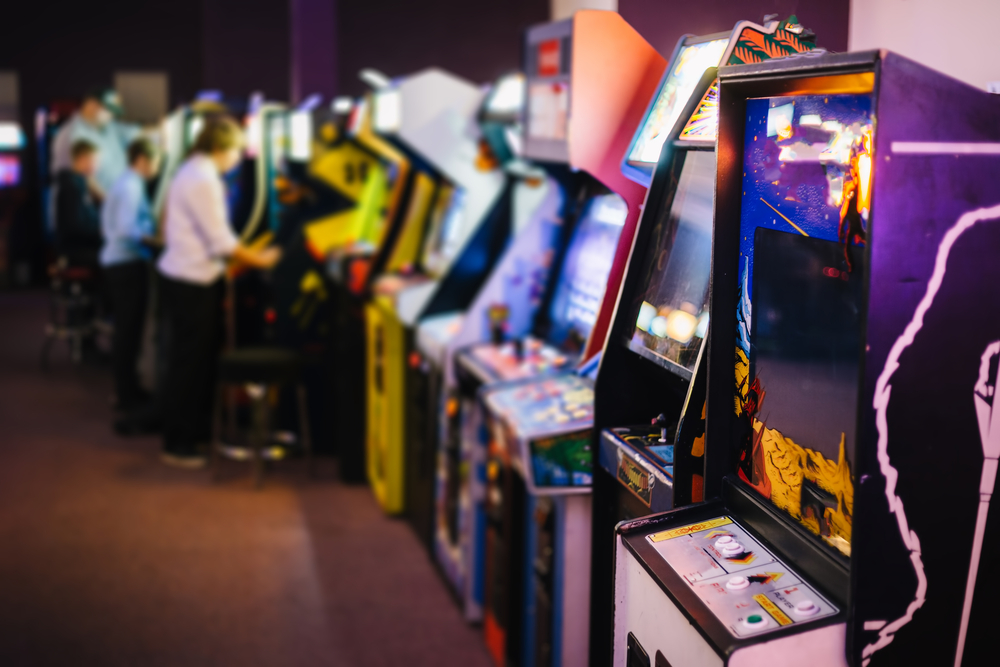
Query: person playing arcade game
[(127, 223), (78, 225), (95, 122), (198, 240)]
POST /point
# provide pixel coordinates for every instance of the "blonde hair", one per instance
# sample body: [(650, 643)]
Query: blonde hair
[(220, 133)]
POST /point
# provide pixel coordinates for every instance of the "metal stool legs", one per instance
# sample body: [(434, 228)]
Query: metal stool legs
[(260, 428), (304, 435)]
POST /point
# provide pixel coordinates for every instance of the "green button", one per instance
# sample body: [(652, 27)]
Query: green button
[(755, 618)]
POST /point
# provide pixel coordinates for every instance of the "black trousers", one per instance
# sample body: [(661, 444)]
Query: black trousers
[(128, 287), (193, 317)]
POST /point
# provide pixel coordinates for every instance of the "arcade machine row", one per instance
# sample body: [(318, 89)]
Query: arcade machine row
[(830, 479), (546, 424), (439, 264), (358, 246), (561, 59), (539, 321), (428, 373), (650, 393)]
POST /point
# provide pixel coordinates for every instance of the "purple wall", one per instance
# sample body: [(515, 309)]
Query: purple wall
[(314, 48), (663, 22), (477, 40)]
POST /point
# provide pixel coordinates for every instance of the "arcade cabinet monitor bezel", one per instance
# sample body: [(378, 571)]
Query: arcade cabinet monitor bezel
[(641, 171), (831, 75)]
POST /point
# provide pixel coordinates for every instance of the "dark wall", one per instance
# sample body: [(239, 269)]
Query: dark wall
[(663, 22), (246, 47), (62, 47), (476, 40), (314, 48)]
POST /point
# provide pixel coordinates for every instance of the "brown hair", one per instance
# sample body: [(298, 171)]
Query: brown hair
[(81, 148), (141, 147), (220, 133)]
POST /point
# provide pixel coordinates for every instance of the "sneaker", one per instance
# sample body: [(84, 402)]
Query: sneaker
[(187, 461)]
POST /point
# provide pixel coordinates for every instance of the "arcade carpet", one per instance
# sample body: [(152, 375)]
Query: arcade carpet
[(109, 558)]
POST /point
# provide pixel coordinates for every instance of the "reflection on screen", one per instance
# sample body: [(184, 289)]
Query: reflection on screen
[(584, 274), (445, 235), (548, 110), (673, 96), (673, 315)]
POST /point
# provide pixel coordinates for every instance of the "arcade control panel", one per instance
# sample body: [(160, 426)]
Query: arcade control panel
[(702, 585), (552, 420), (745, 586), (641, 458), (513, 360)]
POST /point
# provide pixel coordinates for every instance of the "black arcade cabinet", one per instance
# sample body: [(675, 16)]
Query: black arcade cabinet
[(850, 450)]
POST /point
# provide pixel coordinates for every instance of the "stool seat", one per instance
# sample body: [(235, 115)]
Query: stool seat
[(263, 365)]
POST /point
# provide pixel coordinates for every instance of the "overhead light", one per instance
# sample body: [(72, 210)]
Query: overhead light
[(310, 102), (342, 105), (374, 78)]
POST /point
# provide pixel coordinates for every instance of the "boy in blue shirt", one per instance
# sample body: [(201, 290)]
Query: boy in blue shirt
[(127, 225)]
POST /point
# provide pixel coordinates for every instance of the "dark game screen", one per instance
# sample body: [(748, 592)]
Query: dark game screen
[(672, 318), (804, 214), (584, 274)]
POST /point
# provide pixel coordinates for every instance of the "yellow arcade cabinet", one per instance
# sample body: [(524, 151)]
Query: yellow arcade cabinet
[(444, 252)]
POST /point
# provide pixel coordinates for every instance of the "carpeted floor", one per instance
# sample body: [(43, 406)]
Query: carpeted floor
[(109, 558)]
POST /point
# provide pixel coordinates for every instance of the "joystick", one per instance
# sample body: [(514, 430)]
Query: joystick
[(661, 421)]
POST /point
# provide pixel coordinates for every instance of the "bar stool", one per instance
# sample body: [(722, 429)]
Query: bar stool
[(259, 370), (71, 308)]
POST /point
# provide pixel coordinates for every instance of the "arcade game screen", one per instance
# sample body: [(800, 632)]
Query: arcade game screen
[(672, 318), (585, 270), (10, 171), (277, 141), (300, 136), (806, 186), (445, 234), (692, 61), (548, 110)]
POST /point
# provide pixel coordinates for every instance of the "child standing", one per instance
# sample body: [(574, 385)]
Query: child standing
[(127, 224)]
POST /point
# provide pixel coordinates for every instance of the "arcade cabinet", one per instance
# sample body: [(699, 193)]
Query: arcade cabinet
[(297, 312), (650, 393), (429, 376), (440, 261), (535, 203), (357, 246), (856, 222), (580, 113), (13, 195)]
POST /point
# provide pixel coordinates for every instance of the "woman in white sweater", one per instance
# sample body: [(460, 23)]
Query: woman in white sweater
[(198, 243)]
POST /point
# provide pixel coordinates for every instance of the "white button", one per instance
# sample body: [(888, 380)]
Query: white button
[(806, 608), (723, 541), (755, 621), (732, 549), (738, 583)]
